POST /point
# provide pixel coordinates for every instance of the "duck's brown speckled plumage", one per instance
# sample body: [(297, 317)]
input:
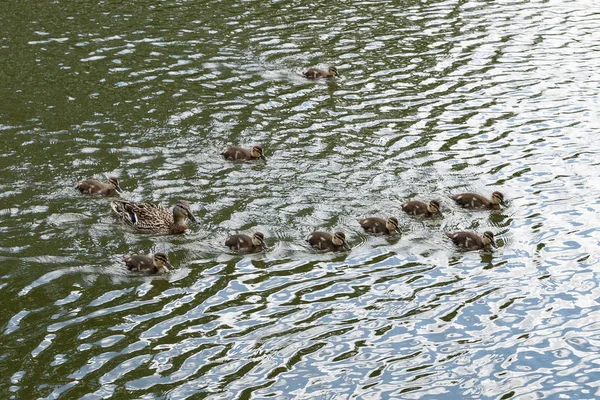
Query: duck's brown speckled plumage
[(152, 218), (474, 200), (379, 225), (316, 73), (327, 241), (236, 153), (472, 240), (247, 243), (157, 264), (110, 188), (415, 207)]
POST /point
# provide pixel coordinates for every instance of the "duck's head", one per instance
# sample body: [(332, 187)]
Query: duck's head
[(498, 198), (115, 182), (339, 239), (333, 71), (488, 239), (257, 152), (182, 210), (258, 239), (392, 224), (434, 207), (161, 262)]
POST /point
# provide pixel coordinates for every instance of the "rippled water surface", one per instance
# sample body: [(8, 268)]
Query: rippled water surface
[(436, 98)]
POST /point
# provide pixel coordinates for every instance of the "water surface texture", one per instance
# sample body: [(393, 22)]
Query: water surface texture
[(436, 98)]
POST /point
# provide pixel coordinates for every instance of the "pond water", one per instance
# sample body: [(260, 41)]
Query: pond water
[(436, 98)]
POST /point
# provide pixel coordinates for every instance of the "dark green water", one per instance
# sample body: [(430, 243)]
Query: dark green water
[(436, 98)]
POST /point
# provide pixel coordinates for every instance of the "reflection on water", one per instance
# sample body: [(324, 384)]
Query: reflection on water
[(435, 99)]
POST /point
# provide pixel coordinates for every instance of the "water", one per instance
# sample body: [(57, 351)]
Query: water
[(436, 98)]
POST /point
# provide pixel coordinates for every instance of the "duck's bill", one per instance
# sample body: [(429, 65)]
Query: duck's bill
[(494, 245), (440, 214), (397, 230), (263, 245), (346, 246), (192, 218), (169, 266), (118, 189), (263, 157), (503, 203)]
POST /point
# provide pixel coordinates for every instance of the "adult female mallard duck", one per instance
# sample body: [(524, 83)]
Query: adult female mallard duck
[(152, 218), (474, 200), (157, 264), (472, 240), (415, 207), (246, 243), (379, 225), (236, 153), (327, 241), (316, 73), (93, 186)]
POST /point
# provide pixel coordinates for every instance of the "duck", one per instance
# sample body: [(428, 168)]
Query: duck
[(474, 200), (327, 241), (157, 264), (153, 218), (415, 207), (379, 225), (246, 243), (236, 153), (316, 73), (472, 240), (93, 186)]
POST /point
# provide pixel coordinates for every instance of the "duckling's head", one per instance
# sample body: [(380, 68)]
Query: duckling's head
[(257, 152), (392, 224), (488, 239), (339, 239), (258, 239), (115, 182), (182, 210), (434, 207), (498, 198), (333, 71), (161, 262)]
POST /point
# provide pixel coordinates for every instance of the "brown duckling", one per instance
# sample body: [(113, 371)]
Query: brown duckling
[(93, 186), (316, 73), (415, 207), (474, 200), (153, 218), (157, 264), (327, 241), (246, 243), (379, 225), (472, 240), (236, 153)]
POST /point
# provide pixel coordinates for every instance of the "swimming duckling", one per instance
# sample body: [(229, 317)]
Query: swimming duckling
[(152, 218), (93, 186), (379, 225), (327, 241), (473, 200), (472, 240), (157, 264), (315, 73), (415, 207), (236, 153), (246, 243)]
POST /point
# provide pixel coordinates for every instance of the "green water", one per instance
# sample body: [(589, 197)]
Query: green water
[(436, 98)]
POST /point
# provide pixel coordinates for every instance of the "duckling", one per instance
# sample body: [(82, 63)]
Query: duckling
[(473, 200), (157, 264), (152, 218), (471, 240), (327, 241), (93, 186), (415, 207), (379, 225), (246, 243), (315, 73), (236, 153)]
